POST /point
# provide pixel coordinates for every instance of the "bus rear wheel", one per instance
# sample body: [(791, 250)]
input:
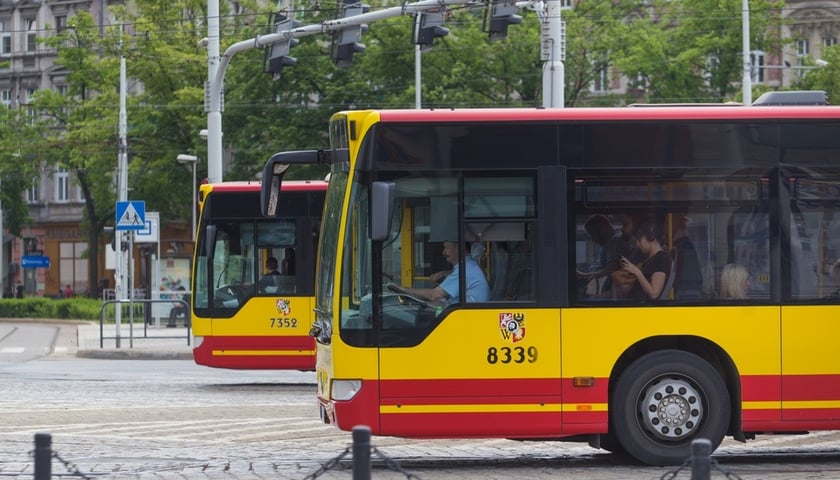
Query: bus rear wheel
[(664, 401)]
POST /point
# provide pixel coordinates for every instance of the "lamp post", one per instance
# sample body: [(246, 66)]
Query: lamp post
[(183, 158)]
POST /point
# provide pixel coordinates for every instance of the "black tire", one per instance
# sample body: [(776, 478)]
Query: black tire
[(669, 387)]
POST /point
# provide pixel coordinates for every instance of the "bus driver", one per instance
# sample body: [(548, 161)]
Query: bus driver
[(446, 293)]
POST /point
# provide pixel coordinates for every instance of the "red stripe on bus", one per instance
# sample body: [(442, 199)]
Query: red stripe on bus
[(811, 387), (608, 114), (761, 388), (418, 389), (273, 342), (465, 425), (287, 186), (299, 353)]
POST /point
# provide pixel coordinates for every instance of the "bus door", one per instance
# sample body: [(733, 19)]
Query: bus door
[(483, 364), (810, 326)]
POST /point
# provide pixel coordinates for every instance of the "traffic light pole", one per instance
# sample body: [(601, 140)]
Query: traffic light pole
[(216, 79), (553, 69)]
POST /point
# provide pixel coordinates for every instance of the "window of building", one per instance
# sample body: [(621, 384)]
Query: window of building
[(6, 96), (5, 38), (73, 267), (33, 193), (31, 35), (600, 82), (829, 41), (60, 23), (757, 66), (803, 48), (62, 185), (30, 94)]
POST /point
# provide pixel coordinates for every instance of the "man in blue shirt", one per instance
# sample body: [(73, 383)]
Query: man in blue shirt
[(447, 292)]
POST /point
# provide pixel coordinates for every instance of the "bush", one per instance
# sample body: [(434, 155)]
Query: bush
[(78, 308)]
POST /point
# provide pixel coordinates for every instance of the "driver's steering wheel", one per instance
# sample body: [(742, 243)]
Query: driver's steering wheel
[(228, 292), (405, 296)]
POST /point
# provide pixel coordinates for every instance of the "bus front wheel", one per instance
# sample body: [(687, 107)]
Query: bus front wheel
[(664, 401)]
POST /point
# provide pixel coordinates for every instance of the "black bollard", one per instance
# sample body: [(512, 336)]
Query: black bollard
[(701, 461), (361, 452), (43, 456)]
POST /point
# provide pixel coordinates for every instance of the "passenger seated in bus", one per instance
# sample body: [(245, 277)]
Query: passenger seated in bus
[(270, 281), (734, 282), (613, 246), (447, 290), (650, 274), (688, 279)]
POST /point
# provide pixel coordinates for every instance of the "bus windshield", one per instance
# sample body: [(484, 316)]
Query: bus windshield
[(328, 245)]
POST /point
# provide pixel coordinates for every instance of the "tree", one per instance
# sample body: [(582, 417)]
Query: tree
[(691, 51), (80, 127), (20, 160), (826, 77)]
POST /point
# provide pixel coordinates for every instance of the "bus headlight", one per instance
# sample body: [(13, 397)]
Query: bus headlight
[(197, 341), (345, 389)]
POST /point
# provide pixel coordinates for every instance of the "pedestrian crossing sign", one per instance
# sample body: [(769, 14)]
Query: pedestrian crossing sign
[(131, 215)]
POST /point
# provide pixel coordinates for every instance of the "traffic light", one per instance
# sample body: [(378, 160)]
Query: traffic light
[(501, 14), (112, 234), (428, 27), (346, 41), (277, 56)]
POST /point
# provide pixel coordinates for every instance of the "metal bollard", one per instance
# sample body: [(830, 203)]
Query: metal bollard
[(701, 461), (361, 452), (43, 456)]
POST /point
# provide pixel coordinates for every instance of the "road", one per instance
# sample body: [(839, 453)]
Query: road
[(154, 419)]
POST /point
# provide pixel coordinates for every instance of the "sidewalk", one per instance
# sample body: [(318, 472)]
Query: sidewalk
[(136, 341)]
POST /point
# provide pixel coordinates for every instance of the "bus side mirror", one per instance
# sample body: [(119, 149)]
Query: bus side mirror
[(381, 210), (272, 176)]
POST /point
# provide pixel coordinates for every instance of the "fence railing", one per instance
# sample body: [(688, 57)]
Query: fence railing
[(131, 303)]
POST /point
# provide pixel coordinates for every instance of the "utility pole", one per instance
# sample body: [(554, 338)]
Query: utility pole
[(418, 65), (122, 194), (213, 95), (553, 55), (746, 82)]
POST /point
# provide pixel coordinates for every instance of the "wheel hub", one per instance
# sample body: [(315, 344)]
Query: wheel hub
[(671, 409)]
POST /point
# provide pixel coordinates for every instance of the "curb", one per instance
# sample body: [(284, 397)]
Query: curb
[(133, 354)]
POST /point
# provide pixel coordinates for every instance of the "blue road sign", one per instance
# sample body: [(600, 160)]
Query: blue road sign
[(34, 261), (131, 215)]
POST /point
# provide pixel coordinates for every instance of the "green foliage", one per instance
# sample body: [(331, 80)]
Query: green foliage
[(826, 77), (47, 308), (691, 51)]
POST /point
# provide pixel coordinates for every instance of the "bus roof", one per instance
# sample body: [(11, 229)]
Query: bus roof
[(254, 186), (610, 114)]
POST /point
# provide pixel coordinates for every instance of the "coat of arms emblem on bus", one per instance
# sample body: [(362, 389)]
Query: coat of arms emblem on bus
[(283, 307), (512, 326)]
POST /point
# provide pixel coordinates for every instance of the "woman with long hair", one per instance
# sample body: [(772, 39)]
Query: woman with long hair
[(653, 270), (734, 281)]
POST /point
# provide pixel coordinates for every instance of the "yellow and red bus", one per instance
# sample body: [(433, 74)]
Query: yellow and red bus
[(552, 353), (240, 321)]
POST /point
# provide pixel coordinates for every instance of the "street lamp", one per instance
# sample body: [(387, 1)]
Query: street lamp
[(183, 158)]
